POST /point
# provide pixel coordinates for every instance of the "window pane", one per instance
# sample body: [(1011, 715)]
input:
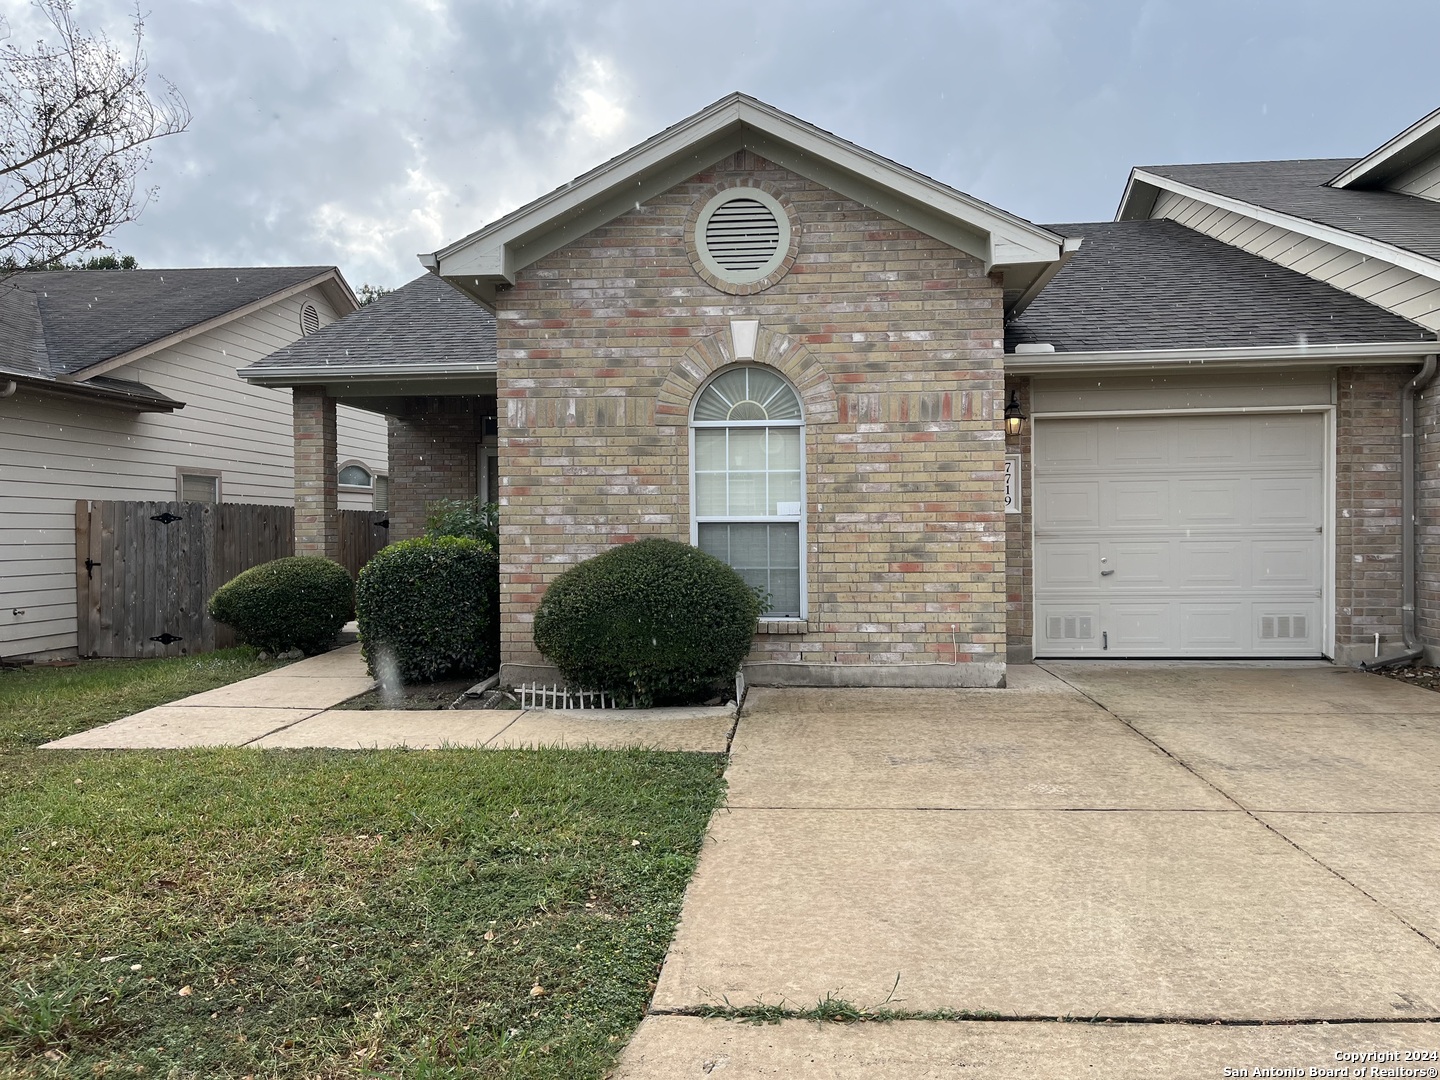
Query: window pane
[(198, 488), (354, 476), (767, 556), (784, 494), (748, 393), (747, 448), (784, 447), (709, 449), (747, 495), (710, 494)]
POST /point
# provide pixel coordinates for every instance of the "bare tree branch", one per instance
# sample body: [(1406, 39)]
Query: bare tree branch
[(76, 124)]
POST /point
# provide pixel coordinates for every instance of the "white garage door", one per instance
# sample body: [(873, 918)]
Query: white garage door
[(1180, 536)]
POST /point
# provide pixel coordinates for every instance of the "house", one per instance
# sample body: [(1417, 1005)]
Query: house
[(943, 438), (121, 385)]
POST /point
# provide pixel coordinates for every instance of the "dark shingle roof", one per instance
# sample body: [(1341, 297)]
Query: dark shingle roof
[(89, 316), (1156, 284), (427, 322), (1298, 188)]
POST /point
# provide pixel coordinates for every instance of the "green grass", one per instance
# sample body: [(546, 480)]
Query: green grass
[(232, 913), (38, 704)]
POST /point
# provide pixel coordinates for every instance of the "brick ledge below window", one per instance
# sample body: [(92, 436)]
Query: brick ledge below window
[(782, 626)]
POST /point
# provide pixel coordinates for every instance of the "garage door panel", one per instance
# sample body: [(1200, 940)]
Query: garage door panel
[(1212, 443), (1214, 628), (1210, 528), (1211, 564), (1136, 444), (1215, 501), (1067, 446), (1288, 441), (1292, 565), (1139, 565), (1067, 504), (1136, 503), (1067, 566), (1286, 500)]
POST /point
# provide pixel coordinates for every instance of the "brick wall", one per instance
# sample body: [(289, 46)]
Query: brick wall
[(1368, 521), (893, 340), (317, 515), (1019, 551), (434, 454)]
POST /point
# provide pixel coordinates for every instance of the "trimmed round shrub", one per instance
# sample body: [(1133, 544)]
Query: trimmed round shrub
[(299, 602), (655, 621), (431, 608)]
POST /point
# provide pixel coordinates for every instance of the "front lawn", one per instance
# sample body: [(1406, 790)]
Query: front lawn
[(232, 913)]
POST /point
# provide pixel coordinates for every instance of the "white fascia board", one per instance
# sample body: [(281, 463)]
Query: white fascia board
[(1361, 245), (692, 145), (1268, 356), (1137, 201), (1381, 163)]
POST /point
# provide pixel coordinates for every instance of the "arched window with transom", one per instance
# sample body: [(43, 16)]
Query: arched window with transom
[(747, 484)]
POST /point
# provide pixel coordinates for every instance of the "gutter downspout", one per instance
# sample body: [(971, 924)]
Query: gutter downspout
[(9, 388), (1409, 460)]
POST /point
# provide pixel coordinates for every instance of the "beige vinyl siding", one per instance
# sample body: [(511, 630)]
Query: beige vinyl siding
[(1422, 180), (54, 451), (1408, 294)]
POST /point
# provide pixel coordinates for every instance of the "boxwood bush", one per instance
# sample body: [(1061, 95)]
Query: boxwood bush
[(654, 621), (298, 602), (430, 606)]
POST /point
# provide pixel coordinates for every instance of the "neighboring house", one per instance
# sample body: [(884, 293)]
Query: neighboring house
[(751, 335), (120, 385)]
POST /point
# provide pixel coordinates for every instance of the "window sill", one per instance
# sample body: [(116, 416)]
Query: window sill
[(782, 626)]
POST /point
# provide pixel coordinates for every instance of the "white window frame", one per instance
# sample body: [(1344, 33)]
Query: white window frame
[(355, 487), (484, 456), (803, 519), (182, 471)]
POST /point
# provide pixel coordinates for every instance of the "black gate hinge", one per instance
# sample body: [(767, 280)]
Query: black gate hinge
[(167, 638), (166, 518)]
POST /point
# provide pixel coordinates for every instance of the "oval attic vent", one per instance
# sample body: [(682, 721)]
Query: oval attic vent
[(309, 319), (742, 234)]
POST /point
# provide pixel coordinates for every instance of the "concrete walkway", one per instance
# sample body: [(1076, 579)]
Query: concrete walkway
[(292, 707), (1219, 847)]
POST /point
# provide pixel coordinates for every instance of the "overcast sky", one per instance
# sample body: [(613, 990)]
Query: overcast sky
[(360, 133)]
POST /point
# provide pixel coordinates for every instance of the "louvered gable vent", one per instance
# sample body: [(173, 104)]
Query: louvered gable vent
[(742, 234)]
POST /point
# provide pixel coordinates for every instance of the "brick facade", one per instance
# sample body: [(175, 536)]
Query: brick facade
[(434, 454), (317, 514), (893, 340), (1367, 510), (1019, 551)]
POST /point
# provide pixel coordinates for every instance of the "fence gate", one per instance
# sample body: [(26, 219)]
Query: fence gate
[(146, 570)]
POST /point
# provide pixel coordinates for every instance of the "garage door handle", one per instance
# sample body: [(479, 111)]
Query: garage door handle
[(1106, 573)]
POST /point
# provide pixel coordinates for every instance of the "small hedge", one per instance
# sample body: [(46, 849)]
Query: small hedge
[(432, 606), (299, 602), (653, 621)]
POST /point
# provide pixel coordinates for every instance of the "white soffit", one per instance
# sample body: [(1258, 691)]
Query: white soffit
[(496, 253)]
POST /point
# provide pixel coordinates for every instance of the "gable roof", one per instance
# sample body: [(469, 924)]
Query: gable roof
[(1154, 284), (73, 328), (424, 328), (1417, 143), (493, 255)]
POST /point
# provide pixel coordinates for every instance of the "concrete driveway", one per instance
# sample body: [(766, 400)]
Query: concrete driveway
[(1222, 847)]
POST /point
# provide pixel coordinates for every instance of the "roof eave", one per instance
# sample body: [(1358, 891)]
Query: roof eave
[(152, 402), (309, 374)]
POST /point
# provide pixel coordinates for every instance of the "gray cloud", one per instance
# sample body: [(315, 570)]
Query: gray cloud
[(364, 132)]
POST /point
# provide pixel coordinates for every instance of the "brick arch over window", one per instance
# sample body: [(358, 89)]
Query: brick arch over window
[(709, 355)]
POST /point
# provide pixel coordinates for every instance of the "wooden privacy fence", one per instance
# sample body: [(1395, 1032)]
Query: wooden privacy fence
[(145, 571)]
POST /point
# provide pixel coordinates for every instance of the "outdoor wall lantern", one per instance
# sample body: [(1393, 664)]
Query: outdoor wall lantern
[(1014, 418)]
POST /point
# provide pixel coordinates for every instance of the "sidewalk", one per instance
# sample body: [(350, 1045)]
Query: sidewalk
[(293, 707)]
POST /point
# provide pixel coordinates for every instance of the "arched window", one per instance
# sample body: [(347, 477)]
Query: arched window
[(748, 482), (355, 476)]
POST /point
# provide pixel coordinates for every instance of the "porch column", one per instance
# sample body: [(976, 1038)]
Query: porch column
[(317, 513)]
